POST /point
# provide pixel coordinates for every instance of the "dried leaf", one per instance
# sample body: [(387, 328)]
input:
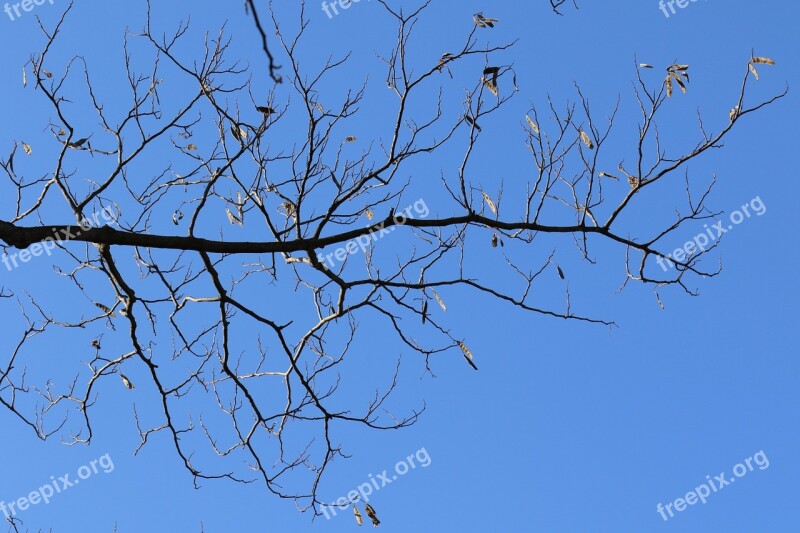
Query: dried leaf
[(27, 148), (678, 81), (104, 308), (47, 73), (753, 70), (645, 65), (125, 381), (359, 518), (288, 208), (369, 214), (489, 84), (467, 354), (233, 219), (560, 272), (372, 515), (763, 60), (350, 139), (658, 299), (78, 143), (439, 300), (586, 140), (472, 122), (446, 57), (489, 202), (668, 83), (24, 78), (191, 146), (494, 240), (483, 22), (532, 124)]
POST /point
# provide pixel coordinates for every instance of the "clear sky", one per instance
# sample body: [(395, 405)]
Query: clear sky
[(566, 426)]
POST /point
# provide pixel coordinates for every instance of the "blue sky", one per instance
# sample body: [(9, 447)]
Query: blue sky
[(566, 426)]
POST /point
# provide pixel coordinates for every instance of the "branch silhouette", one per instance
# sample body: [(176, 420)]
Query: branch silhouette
[(213, 290)]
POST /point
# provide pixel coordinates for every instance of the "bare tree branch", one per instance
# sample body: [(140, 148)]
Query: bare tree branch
[(249, 246)]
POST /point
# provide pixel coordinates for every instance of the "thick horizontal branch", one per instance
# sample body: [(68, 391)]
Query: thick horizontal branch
[(23, 237)]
